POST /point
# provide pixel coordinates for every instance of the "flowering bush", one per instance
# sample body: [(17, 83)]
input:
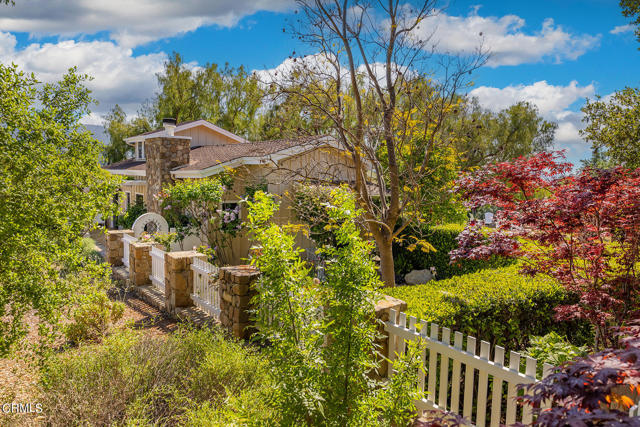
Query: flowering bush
[(583, 230), (197, 205)]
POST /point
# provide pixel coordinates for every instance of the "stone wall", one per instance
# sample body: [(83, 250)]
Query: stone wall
[(113, 246), (140, 263), (234, 285), (178, 279), (163, 154)]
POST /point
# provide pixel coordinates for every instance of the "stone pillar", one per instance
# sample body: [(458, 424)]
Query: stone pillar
[(235, 298), (178, 279), (113, 246), (163, 154), (383, 308), (140, 263)]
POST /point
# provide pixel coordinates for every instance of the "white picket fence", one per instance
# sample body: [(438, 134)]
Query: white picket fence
[(480, 383), (126, 240), (205, 288), (157, 268)]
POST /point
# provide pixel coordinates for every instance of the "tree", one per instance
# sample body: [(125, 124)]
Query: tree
[(498, 137), (320, 333), (613, 126), (387, 97), (229, 97), (631, 9), (119, 127), (583, 230), (51, 190)]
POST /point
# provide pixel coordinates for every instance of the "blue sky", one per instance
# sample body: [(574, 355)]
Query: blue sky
[(553, 53)]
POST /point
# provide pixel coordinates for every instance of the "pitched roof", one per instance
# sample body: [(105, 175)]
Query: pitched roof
[(184, 126), (127, 164), (203, 157), (211, 155)]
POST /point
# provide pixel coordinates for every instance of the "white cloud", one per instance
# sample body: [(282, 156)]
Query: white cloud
[(553, 102), (129, 22), (548, 98), (118, 76), (505, 38), (622, 29)]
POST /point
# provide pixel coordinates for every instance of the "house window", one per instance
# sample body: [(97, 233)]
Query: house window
[(139, 199), (140, 146), (128, 203)]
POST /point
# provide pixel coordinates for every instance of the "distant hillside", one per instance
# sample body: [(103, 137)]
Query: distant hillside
[(98, 133)]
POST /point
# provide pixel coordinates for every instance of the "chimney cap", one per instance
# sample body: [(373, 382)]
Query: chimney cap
[(169, 121)]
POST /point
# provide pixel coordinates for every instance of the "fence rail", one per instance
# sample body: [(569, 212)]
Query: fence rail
[(205, 287), (126, 240), (157, 268), (464, 381)]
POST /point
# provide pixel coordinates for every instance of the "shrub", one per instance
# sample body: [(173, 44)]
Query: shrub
[(93, 318), (90, 251), (498, 305), (596, 390), (320, 333), (553, 349), (443, 239), (135, 379), (129, 217)]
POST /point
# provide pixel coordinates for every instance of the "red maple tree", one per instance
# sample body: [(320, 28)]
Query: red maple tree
[(583, 229)]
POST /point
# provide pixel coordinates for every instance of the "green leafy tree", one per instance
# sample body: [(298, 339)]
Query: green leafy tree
[(119, 127), (631, 9), (229, 97), (51, 190), (488, 137), (613, 127), (321, 334)]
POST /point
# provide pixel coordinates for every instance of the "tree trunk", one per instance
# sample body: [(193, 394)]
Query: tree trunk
[(386, 263)]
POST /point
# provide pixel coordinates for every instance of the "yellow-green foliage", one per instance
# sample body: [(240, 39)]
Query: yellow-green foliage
[(191, 377), (409, 256), (498, 305)]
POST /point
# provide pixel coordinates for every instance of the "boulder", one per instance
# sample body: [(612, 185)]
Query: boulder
[(418, 277)]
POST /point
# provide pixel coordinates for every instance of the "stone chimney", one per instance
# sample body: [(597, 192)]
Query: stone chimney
[(164, 153)]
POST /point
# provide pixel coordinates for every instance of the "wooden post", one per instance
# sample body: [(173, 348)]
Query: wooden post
[(383, 308)]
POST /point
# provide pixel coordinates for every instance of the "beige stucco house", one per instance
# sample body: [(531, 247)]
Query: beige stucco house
[(199, 149)]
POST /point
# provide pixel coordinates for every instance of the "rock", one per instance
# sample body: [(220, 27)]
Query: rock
[(418, 277)]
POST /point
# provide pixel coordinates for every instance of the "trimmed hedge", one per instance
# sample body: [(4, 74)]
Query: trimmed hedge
[(443, 239), (499, 305)]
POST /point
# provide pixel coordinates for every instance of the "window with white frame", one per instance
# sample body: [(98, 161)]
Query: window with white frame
[(140, 149)]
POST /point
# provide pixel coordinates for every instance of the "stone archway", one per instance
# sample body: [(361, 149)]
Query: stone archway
[(151, 223)]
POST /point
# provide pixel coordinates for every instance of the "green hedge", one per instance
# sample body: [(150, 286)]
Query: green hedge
[(499, 305), (443, 239)]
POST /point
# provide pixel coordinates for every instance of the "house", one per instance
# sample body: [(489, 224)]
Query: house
[(200, 149)]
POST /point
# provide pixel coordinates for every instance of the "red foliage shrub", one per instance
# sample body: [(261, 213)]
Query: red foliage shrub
[(592, 391), (582, 229)]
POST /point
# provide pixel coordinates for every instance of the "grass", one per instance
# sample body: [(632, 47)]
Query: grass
[(191, 377)]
